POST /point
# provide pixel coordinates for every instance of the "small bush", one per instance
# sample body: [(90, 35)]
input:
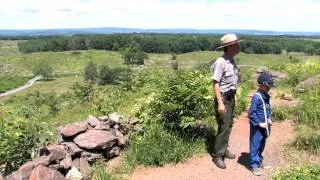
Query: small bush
[(44, 69), (309, 172), (84, 92), (90, 72)]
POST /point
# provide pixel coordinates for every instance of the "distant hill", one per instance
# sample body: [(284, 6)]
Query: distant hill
[(69, 32)]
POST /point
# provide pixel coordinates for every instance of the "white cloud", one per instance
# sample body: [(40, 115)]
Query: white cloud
[(284, 15)]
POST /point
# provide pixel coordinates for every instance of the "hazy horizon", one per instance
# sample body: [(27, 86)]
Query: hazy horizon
[(260, 15)]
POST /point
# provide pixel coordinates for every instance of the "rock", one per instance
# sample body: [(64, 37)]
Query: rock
[(114, 117), (115, 151), (91, 157), (287, 97), (122, 142), (20, 175), (102, 126), (92, 121), (66, 163), (57, 152), (72, 148), (95, 139), (307, 84), (76, 163), (72, 129), (103, 118), (42, 160), (118, 134), (84, 166), (43, 173), (74, 174), (55, 166), (59, 137), (25, 170)]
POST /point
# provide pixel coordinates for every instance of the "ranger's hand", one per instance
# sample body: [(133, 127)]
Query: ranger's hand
[(222, 109)]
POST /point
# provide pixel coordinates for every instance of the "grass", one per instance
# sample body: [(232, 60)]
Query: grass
[(307, 172), (168, 148), (11, 82)]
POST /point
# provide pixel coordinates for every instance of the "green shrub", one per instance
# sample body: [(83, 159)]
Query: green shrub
[(307, 173), (19, 138), (283, 113), (186, 99), (44, 69), (158, 147), (109, 102), (85, 92), (299, 72), (309, 110), (90, 72), (242, 98), (308, 139)]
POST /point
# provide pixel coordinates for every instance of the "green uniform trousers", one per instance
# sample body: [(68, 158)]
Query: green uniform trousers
[(224, 127)]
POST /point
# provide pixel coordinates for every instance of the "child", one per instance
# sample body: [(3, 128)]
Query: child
[(260, 122)]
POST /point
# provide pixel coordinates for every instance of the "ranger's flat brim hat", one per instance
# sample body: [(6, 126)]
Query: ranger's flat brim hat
[(228, 40)]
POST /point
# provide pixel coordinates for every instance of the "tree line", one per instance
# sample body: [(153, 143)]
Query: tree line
[(168, 43)]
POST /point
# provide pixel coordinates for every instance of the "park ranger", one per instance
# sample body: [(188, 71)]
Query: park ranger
[(225, 77)]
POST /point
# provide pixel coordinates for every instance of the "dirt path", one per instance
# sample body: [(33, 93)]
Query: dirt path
[(202, 168)]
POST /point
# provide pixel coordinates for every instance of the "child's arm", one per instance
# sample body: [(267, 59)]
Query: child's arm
[(254, 120)]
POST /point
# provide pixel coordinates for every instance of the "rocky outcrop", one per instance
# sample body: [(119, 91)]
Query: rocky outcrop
[(80, 145)]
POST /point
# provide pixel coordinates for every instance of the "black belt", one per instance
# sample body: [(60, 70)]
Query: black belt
[(228, 95)]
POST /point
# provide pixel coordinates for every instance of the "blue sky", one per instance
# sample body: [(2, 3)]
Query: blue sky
[(277, 15)]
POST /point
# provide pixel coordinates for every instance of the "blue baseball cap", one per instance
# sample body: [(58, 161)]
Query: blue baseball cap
[(266, 79)]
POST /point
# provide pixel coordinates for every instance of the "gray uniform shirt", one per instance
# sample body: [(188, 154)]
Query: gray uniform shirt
[(226, 73)]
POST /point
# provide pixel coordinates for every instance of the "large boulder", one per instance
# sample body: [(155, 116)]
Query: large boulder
[(57, 152), (95, 139), (43, 173), (25, 170), (307, 84), (72, 129)]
